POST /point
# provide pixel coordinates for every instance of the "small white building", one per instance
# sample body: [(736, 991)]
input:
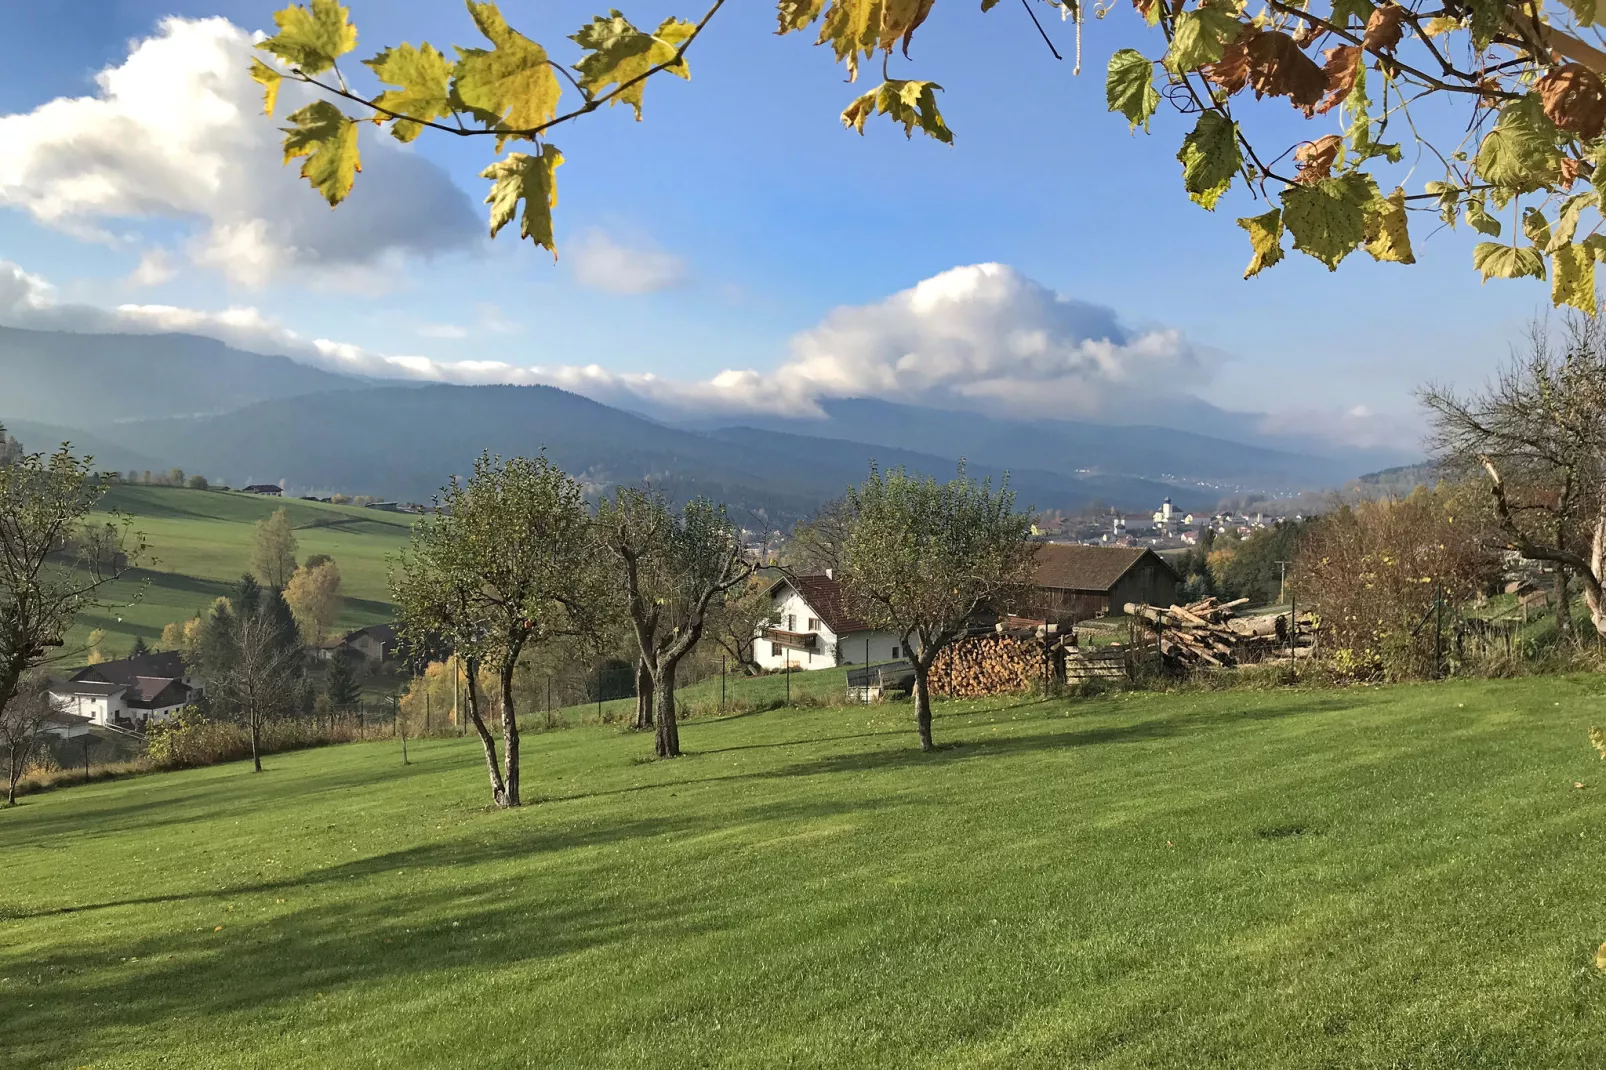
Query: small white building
[(808, 628)]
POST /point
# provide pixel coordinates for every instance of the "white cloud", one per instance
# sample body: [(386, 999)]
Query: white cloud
[(442, 330), (176, 131), (155, 268), (604, 263)]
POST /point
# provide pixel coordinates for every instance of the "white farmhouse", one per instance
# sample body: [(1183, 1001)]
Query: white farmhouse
[(128, 693), (808, 628)]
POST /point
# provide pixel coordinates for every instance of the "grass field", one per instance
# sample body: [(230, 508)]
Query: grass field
[(201, 542), (1392, 877)]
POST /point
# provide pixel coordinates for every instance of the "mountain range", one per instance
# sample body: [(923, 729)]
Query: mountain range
[(161, 401)]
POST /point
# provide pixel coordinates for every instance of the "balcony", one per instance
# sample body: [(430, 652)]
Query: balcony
[(795, 640)]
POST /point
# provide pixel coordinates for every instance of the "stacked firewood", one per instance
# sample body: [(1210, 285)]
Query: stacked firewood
[(1210, 633), (997, 662)]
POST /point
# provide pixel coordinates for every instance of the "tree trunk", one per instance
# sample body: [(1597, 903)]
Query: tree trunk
[(1564, 607), (510, 736), (923, 702), (15, 775), (256, 744), (644, 687), (492, 766), (668, 730)]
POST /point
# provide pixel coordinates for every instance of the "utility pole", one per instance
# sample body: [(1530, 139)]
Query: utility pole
[(1282, 582)]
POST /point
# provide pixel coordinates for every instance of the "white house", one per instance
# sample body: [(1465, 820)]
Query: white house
[(128, 693), (808, 628)]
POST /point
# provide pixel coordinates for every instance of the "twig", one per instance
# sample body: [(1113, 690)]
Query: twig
[(1027, 4)]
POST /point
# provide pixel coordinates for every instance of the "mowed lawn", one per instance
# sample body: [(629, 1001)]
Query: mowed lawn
[(1393, 877), (201, 542)]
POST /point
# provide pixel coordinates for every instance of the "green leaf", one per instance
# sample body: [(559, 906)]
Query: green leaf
[(908, 102), (1344, 10), (1583, 11), (312, 38), (619, 53), (798, 14), (1449, 195), (513, 84), (519, 177), (422, 77), (1596, 244), (1210, 157), (1201, 36), (1328, 218), (1497, 260), (1535, 227), (1519, 155), (1567, 216), (1265, 238), (1478, 217), (328, 139), (269, 80), (1572, 280), (1388, 236), (1129, 87)]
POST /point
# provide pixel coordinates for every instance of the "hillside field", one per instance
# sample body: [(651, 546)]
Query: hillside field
[(201, 542), (1410, 876)]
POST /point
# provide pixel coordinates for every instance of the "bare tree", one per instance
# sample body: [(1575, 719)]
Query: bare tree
[(54, 562), (676, 569), (817, 543), (23, 721), (922, 558), (736, 621), (261, 679), (1537, 431)]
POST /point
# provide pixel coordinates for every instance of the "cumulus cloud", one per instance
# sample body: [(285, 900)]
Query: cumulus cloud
[(604, 263), (176, 132), (155, 268)]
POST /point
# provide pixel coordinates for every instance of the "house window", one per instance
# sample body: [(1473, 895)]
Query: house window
[(791, 622), (897, 651), (814, 624), (775, 650)]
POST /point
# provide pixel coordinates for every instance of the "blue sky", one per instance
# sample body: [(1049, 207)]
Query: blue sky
[(742, 196)]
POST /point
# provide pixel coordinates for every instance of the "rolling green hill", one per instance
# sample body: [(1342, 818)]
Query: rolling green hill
[(1404, 877), (201, 542)]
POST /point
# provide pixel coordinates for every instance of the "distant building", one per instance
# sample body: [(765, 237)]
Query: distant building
[(376, 643), (129, 693), (808, 628), (1074, 583), (263, 488)]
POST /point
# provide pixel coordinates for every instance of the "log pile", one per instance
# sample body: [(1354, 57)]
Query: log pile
[(1210, 634), (997, 663)]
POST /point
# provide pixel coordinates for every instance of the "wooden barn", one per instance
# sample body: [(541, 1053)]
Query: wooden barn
[(1075, 583)]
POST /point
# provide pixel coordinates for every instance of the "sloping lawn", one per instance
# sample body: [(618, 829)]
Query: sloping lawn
[(1401, 877)]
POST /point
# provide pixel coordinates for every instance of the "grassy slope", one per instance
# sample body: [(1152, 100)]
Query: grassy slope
[(201, 542), (1399, 877)]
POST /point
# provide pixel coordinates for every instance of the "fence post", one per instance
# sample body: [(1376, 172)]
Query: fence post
[(722, 683), (1438, 631)]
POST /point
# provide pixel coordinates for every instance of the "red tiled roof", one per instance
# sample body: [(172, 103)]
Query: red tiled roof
[(823, 595)]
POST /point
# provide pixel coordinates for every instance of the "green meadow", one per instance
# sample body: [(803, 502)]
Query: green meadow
[(201, 542), (1410, 876)]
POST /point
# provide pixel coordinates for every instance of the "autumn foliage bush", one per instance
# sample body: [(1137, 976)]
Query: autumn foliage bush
[(1372, 572)]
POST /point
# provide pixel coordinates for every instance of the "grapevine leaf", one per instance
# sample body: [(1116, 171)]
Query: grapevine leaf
[(1210, 157), (1574, 99), (1342, 69), (619, 53), (1265, 238), (1278, 68), (852, 28), (1535, 227), (1315, 158), (1596, 244), (1328, 218), (1385, 28), (329, 142), (1478, 217), (422, 77), (1344, 10), (312, 38), (900, 19), (269, 80), (797, 14), (908, 102), (1583, 10), (1497, 260), (520, 176), (512, 83), (1449, 196), (1231, 72), (1149, 9), (1388, 237), (1567, 216), (1201, 36), (1519, 155), (1572, 280), (1129, 87)]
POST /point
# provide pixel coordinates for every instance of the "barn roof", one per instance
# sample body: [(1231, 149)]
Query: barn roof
[(824, 596), (1068, 567)]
